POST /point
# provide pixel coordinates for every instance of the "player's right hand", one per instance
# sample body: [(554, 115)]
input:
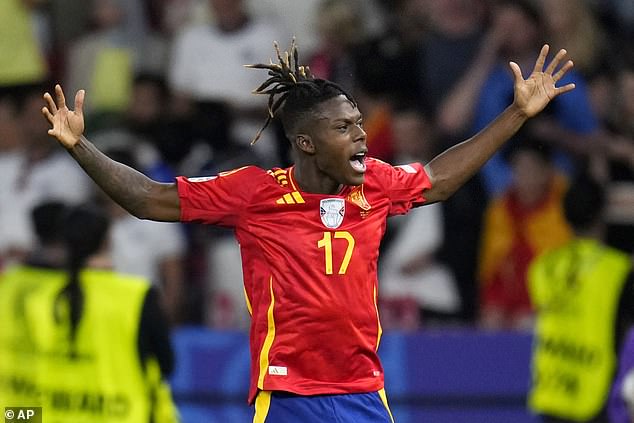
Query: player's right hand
[(68, 125)]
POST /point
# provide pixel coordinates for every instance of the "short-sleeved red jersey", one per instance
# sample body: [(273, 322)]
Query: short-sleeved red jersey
[(310, 269)]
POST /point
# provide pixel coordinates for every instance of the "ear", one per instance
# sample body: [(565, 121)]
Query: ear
[(305, 143)]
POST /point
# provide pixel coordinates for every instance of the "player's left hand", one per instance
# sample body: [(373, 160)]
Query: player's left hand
[(531, 95)]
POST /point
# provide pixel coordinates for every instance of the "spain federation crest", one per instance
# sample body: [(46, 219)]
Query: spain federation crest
[(332, 211)]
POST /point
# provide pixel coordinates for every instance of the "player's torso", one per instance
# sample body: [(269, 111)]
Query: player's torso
[(320, 250), (309, 264)]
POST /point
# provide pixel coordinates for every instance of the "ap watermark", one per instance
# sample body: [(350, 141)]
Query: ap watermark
[(23, 415)]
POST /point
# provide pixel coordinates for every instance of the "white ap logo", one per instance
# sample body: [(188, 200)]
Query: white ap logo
[(332, 211)]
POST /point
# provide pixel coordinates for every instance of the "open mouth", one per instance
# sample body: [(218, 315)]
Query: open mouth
[(357, 161)]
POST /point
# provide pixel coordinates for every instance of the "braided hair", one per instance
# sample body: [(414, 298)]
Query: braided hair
[(293, 91), (85, 229)]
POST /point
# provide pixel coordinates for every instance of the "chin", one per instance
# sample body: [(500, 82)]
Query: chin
[(356, 180)]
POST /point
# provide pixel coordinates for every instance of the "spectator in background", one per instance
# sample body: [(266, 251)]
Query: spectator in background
[(106, 58), (93, 337), (340, 29), (386, 62), (49, 250), (142, 128), (22, 59), (234, 37), (30, 172), (519, 225), (152, 250), (385, 70), (583, 294), (455, 29), (620, 155), (9, 127), (409, 267), (571, 24), (611, 155), (516, 31)]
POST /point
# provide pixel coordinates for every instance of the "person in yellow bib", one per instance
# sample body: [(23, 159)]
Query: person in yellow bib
[(583, 294), (85, 344)]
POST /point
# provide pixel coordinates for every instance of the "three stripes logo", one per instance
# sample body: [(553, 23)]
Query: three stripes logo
[(291, 198)]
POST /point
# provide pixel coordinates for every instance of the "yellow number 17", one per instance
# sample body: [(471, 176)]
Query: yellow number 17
[(326, 244)]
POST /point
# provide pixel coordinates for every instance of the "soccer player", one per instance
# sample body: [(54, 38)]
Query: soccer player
[(310, 233)]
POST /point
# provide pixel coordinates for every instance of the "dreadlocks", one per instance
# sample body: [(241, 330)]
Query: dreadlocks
[(293, 89)]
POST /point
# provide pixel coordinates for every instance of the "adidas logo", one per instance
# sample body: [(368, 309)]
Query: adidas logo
[(291, 198)]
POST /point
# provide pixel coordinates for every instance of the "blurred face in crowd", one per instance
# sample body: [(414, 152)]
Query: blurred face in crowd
[(532, 175), (145, 103), (412, 136), (229, 14), (107, 13), (339, 23), (518, 31), (34, 130), (455, 17)]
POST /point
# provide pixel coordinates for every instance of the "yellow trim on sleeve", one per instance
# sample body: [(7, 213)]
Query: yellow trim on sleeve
[(268, 341)]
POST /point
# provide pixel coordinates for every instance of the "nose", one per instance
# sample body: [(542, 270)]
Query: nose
[(361, 135)]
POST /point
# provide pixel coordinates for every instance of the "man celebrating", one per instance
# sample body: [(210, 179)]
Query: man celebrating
[(310, 233)]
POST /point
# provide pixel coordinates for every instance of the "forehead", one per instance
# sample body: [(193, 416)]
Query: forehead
[(337, 108)]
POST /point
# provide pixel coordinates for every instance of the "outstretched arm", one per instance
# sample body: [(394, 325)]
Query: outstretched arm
[(138, 194), (455, 166)]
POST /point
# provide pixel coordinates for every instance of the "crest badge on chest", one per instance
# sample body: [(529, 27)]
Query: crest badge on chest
[(332, 211)]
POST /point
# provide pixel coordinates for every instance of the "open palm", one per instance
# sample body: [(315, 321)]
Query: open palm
[(533, 94), (67, 125)]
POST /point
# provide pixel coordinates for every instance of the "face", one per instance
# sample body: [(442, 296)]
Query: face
[(412, 135), (228, 13), (519, 31), (532, 176), (339, 142)]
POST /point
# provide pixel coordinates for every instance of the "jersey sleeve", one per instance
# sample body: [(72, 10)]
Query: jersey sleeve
[(217, 200), (404, 186)]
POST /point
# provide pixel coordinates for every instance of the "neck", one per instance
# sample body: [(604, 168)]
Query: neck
[(595, 232), (312, 180)]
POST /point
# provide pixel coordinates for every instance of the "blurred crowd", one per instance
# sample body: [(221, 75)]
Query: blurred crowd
[(167, 94)]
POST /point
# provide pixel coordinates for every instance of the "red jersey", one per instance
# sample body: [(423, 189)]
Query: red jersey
[(310, 269)]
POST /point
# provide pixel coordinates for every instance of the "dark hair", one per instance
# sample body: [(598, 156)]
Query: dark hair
[(298, 90), (526, 140), (47, 220), (527, 7), (85, 228), (151, 78), (584, 202)]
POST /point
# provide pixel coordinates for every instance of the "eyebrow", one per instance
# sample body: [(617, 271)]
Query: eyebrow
[(346, 119)]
